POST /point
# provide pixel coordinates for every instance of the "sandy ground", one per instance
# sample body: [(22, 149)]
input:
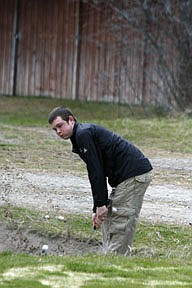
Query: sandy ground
[(45, 191)]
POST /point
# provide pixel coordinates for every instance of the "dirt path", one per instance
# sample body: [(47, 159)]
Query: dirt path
[(163, 202)]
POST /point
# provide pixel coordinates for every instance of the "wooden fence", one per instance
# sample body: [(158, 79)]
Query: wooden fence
[(64, 49)]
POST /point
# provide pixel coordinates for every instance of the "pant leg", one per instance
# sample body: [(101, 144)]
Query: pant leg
[(121, 222)]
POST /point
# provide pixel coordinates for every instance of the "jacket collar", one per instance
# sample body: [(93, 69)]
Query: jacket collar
[(73, 138)]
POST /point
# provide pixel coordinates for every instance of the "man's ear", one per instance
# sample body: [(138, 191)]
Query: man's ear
[(71, 118)]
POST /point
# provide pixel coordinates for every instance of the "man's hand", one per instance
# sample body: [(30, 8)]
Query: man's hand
[(99, 216), (101, 212)]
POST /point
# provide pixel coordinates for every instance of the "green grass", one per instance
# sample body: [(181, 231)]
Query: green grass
[(30, 111), (166, 134), (92, 271), (146, 129)]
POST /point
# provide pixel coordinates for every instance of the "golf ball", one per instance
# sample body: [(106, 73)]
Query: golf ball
[(45, 247)]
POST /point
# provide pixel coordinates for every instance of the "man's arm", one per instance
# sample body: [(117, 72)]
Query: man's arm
[(90, 152)]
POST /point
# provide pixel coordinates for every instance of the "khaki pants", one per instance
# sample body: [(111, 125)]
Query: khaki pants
[(119, 227)]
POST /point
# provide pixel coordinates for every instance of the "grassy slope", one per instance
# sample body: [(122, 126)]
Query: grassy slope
[(92, 272), (144, 128)]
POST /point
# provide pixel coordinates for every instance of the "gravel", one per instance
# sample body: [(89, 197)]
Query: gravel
[(162, 203)]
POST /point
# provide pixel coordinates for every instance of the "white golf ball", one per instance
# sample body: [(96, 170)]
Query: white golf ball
[(45, 247)]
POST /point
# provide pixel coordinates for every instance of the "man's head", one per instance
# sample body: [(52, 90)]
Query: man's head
[(62, 121), (63, 112)]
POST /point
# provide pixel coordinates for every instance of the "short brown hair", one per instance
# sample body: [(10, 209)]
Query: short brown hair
[(63, 112)]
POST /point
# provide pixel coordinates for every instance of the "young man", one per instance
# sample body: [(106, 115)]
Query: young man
[(108, 156)]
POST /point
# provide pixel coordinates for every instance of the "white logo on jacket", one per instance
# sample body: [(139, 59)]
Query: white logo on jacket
[(82, 150)]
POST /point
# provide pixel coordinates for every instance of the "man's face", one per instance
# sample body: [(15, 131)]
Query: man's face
[(62, 128)]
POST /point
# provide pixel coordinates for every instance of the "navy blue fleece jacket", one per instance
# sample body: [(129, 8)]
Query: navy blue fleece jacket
[(107, 155)]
